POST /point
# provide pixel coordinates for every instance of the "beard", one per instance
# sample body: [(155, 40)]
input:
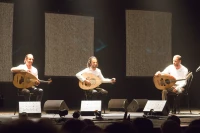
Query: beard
[(94, 66), (176, 65)]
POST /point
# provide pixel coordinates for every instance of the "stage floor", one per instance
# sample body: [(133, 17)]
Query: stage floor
[(109, 117)]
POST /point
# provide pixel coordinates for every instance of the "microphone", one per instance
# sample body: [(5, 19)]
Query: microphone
[(198, 69)]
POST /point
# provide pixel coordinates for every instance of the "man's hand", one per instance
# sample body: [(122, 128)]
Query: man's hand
[(113, 80), (87, 82), (22, 70), (158, 73), (37, 82), (174, 90)]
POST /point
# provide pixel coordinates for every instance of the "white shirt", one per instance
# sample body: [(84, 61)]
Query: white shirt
[(96, 72), (180, 73), (33, 70)]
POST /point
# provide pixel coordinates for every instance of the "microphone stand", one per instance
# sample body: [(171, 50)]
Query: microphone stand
[(198, 69)]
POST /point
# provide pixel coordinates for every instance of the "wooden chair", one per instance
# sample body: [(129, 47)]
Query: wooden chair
[(177, 97)]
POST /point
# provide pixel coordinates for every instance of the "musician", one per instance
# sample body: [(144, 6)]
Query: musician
[(92, 65), (27, 67), (178, 71)]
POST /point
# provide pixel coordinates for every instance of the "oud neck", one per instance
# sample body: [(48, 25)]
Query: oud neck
[(180, 79), (43, 81)]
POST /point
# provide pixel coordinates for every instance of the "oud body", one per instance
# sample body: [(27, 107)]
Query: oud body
[(94, 80), (26, 80), (166, 81)]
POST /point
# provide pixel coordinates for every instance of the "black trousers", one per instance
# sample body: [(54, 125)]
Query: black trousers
[(173, 100), (38, 92), (96, 94)]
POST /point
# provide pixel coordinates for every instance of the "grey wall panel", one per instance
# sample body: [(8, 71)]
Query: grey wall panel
[(69, 42), (148, 42), (6, 32)]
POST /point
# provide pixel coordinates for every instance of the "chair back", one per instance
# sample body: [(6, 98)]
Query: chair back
[(187, 87)]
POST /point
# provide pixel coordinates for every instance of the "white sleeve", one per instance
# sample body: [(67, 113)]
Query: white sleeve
[(79, 75), (166, 70), (104, 80), (18, 68), (36, 73)]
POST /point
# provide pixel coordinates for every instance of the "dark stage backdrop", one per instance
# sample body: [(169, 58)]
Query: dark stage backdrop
[(6, 32), (110, 44)]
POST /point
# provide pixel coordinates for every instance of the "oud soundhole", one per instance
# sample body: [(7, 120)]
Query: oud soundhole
[(21, 80), (167, 81)]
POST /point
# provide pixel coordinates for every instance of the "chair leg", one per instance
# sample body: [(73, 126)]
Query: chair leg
[(188, 100), (15, 110), (178, 103), (17, 104), (16, 107), (103, 106), (174, 105), (86, 96)]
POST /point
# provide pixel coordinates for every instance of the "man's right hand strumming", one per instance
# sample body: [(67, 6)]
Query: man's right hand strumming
[(158, 73), (87, 82)]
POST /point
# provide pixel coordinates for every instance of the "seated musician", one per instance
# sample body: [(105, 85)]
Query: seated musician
[(27, 67), (178, 71), (92, 65)]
